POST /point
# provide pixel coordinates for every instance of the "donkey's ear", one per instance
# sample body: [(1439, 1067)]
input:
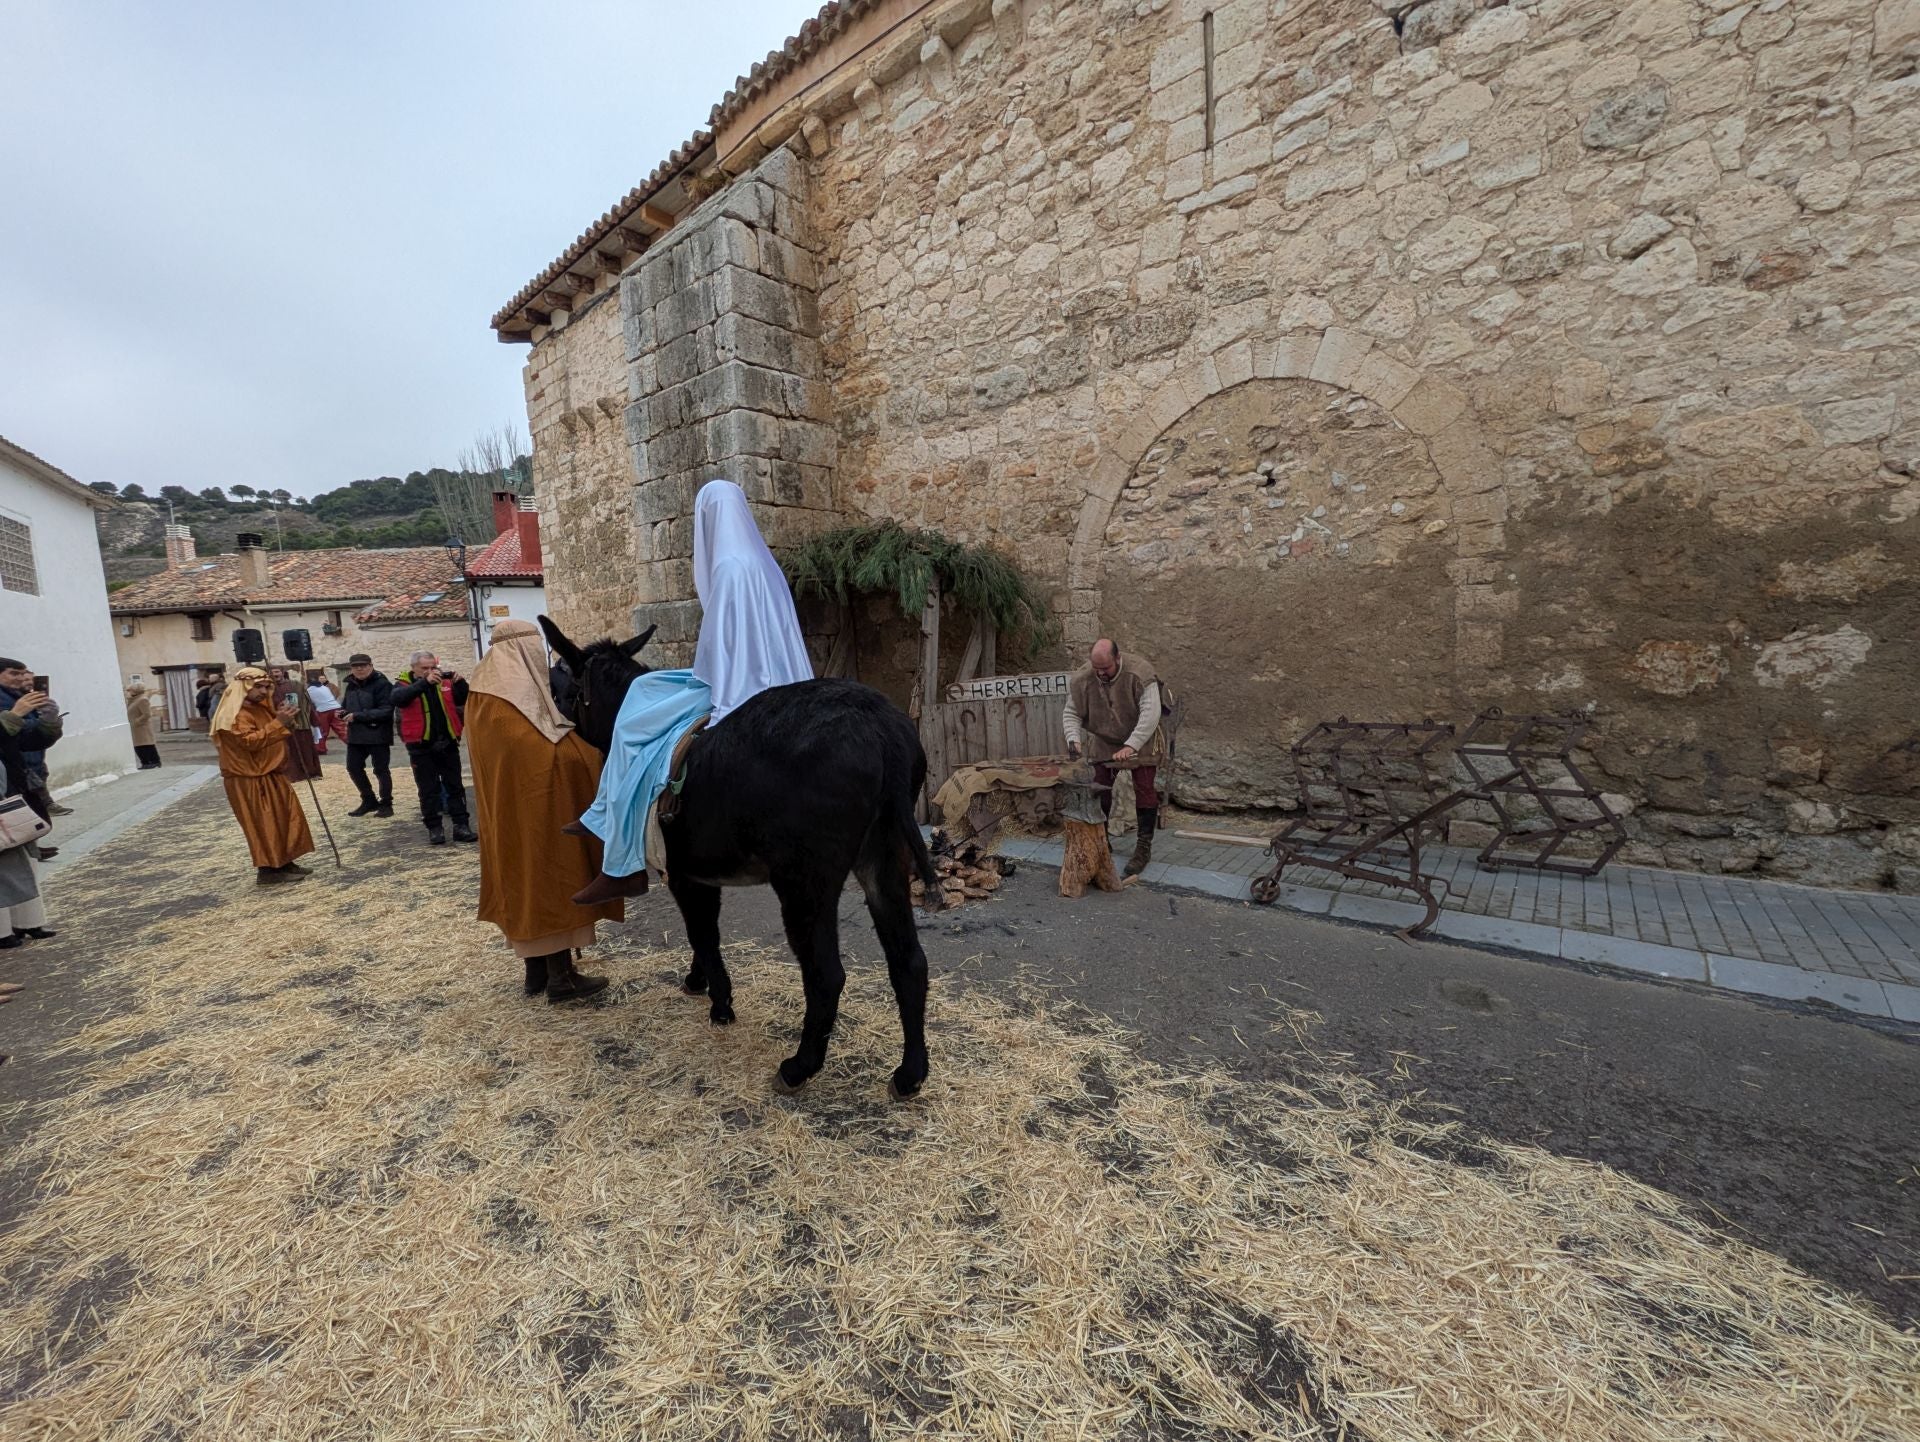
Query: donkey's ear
[(633, 647), (562, 647)]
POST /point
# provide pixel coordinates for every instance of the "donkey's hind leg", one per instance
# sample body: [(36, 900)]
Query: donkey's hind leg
[(884, 878), (810, 907), (700, 911)]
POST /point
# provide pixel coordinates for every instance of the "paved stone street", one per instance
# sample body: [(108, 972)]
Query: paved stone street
[(1856, 950), (102, 810)]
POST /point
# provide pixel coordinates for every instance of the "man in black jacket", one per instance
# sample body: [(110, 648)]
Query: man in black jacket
[(367, 708)]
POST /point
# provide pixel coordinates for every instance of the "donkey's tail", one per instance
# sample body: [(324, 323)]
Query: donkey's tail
[(901, 791)]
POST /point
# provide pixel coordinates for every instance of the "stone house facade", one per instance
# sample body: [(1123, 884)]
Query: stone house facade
[(1344, 356)]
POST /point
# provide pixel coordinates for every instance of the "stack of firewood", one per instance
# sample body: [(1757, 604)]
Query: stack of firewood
[(966, 872)]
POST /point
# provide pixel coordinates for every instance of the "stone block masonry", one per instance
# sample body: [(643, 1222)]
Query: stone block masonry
[(1552, 354), (720, 328)]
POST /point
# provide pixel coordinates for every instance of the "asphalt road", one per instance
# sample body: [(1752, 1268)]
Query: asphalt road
[(1793, 1130)]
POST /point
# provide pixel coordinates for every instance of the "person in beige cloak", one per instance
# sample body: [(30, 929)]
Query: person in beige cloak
[(532, 774), (140, 724)]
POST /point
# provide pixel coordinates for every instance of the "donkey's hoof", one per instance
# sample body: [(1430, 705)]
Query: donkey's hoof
[(782, 1085), (720, 1014), (903, 1088)]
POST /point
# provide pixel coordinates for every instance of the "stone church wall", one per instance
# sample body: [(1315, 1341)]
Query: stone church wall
[(583, 476), (1547, 355), (723, 364)]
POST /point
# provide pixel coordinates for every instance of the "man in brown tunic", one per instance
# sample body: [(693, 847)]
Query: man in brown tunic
[(532, 774), (252, 740), (1113, 712)]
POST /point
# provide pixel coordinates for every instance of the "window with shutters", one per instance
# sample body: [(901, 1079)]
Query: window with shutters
[(17, 572)]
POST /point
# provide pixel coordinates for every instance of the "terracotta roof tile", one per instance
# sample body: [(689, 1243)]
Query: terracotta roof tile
[(294, 578), (449, 604), (834, 17), (502, 561)]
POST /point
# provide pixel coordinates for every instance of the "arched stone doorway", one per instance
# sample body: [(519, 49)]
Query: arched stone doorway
[(1365, 613), (1280, 553)]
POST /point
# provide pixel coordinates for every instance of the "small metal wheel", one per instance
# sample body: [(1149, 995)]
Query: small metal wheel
[(1266, 889)]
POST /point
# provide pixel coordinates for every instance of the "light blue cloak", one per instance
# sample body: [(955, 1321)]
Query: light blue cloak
[(658, 709)]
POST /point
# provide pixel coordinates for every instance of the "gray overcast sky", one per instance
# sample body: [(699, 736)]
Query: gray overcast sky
[(260, 242)]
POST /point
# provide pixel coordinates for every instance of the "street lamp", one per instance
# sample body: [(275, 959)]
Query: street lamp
[(457, 553)]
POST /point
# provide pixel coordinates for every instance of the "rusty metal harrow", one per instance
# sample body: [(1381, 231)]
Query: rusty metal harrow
[(1373, 794)]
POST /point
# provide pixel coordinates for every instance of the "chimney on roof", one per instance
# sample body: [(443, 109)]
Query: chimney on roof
[(505, 506), (528, 520), (180, 549), (253, 559)]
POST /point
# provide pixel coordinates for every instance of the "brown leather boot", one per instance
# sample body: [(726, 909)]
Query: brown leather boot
[(566, 984), (1143, 843), (610, 888)]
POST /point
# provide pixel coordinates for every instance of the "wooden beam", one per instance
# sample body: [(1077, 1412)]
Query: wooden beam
[(656, 217), (629, 239)]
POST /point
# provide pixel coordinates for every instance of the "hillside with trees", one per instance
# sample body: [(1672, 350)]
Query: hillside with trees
[(423, 508)]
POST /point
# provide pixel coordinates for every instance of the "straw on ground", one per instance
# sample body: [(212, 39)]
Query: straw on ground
[(327, 1174)]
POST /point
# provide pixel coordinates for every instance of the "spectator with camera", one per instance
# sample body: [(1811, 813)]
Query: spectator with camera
[(23, 916), (40, 728), (430, 703)]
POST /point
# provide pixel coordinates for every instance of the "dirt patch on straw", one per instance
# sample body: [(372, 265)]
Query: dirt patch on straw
[(356, 1186)]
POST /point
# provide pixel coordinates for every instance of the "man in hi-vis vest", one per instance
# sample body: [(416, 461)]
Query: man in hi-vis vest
[(1113, 712)]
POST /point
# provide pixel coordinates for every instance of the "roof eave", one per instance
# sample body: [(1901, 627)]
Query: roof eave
[(52, 475)]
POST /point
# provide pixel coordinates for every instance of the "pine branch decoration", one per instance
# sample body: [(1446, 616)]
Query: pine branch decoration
[(885, 557)]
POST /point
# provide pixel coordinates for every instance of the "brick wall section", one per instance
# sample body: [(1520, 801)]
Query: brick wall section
[(1636, 278), (721, 330)]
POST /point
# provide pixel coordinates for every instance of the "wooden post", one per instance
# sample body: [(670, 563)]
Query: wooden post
[(932, 734), (840, 656), (979, 659), (970, 658)]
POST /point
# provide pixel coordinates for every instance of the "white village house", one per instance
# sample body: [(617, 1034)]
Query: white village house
[(507, 579), (53, 611)]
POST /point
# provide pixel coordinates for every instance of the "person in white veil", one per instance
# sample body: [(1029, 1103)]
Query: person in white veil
[(749, 631), (749, 641)]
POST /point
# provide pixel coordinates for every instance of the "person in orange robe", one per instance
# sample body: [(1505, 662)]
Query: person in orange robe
[(532, 774), (252, 739)]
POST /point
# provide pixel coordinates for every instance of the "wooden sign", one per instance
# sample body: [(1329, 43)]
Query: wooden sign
[(499, 610), (998, 688)]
